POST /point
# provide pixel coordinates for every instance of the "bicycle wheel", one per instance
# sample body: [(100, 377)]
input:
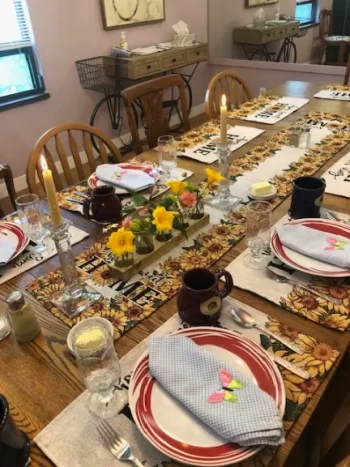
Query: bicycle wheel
[(260, 55), (290, 53), (110, 108)]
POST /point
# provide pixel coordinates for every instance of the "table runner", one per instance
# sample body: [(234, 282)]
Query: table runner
[(200, 144), (138, 298), (267, 109), (338, 178), (71, 438), (28, 260), (336, 92), (71, 200), (292, 297)]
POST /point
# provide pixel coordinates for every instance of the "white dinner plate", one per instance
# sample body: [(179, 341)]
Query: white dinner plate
[(305, 263), (174, 430)]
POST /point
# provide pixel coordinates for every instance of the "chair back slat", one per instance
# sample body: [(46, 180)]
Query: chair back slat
[(76, 156), (89, 151), (64, 133), (63, 159), (103, 152), (150, 95), (233, 86), (52, 166)]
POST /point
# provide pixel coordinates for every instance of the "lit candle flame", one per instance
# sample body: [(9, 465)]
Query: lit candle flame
[(223, 100), (43, 163)]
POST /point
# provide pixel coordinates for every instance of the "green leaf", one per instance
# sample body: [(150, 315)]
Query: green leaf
[(265, 342), (140, 200), (129, 210), (293, 410)]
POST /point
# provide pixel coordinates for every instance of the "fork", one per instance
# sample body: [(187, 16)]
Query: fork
[(334, 217), (117, 445), (285, 280)]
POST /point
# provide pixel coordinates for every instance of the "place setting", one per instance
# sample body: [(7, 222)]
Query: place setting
[(208, 371), (336, 92), (113, 184), (25, 239), (304, 256)]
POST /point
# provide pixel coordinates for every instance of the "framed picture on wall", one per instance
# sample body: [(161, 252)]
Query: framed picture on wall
[(252, 3), (122, 13)]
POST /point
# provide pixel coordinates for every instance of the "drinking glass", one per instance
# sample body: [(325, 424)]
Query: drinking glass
[(259, 214), (31, 217), (98, 363), (167, 155)]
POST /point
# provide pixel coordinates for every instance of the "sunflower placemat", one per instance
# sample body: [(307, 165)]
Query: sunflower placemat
[(267, 109), (335, 92), (331, 308), (69, 428), (201, 143), (143, 294)]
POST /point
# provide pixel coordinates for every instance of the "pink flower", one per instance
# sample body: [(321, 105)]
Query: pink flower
[(188, 199), (126, 223)]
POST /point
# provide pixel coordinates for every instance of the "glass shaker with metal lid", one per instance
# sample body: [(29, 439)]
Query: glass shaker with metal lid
[(24, 323)]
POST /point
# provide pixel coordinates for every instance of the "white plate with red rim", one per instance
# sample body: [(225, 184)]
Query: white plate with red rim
[(94, 182), (14, 234), (175, 431), (304, 263)]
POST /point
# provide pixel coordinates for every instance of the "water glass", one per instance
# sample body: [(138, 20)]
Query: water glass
[(98, 363), (31, 216), (167, 155), (258, 233)]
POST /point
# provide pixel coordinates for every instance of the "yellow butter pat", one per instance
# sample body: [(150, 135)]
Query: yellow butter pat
[(91, 339), (261, 188)]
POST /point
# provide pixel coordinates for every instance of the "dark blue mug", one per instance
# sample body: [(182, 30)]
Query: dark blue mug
[(307, 197), (14, 444)]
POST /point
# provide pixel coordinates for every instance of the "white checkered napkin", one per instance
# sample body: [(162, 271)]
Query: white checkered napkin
[(195, 377), (323, 246)]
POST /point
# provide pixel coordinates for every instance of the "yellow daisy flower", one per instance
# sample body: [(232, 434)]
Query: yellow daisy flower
[(336, 321), (281, 329), (102, 276), (194, 259), (215, 247), (213, 176), (302, 302), (335, 289), (163, 219), (121, 242), (117, 318), (317, 359), (176, 186)]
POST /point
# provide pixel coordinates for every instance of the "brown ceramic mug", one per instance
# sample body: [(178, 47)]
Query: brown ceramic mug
[(103, 206), (200, 298)]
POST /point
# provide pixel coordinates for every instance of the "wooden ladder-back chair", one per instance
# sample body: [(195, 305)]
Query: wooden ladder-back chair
[(6, 175), (347, 73), (326, 29), (62, 140), (233, 86), (150, 95)]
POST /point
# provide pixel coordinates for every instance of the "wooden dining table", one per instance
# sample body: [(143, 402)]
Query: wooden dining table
[(40, 378)]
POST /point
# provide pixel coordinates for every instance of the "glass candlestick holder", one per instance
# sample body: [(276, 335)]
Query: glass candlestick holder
[(224, 200), (75, 296)]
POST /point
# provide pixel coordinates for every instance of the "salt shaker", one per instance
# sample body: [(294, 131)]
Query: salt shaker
[(24, 323), (5, 327)]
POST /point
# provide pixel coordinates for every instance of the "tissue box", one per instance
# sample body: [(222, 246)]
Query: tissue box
[(185, 40)]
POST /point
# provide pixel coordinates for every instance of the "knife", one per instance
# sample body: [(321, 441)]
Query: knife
[(289, 366)]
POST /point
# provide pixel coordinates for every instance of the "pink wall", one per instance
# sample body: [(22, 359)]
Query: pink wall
[(67, 31)]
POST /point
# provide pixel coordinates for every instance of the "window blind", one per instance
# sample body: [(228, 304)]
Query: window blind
[(14, 25)]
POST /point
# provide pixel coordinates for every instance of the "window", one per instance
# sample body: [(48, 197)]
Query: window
[(20, 79), (305, 11)]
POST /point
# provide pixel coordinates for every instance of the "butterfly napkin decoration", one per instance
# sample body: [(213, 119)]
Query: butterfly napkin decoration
[(335, 244), (228, 385)]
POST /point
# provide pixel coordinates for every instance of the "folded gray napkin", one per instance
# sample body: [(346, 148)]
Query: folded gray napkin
[(323, 246), (242, 413)]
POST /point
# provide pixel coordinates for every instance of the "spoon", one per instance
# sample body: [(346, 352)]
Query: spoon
[(246, 320)]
